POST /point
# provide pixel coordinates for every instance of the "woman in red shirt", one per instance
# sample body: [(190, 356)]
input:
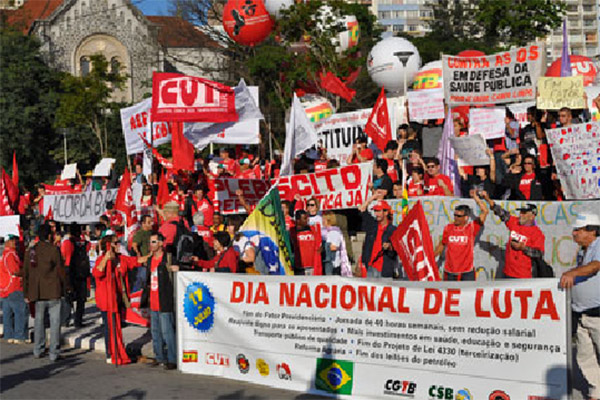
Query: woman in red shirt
[(415, 185), (225, 259)]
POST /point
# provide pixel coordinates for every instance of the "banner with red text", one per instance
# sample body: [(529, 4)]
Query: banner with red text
[(182, 98), (135, 121), (337, 188), (338, 133), (225, 193), (506, 77), (366, 339)]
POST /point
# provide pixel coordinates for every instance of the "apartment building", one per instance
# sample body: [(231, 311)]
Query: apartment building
[(407, 16)]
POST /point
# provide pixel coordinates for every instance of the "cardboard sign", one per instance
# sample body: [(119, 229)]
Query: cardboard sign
[(556, 93), (135, 121), (426, 104), (9, 225), (225, 193), (505, 77), (576, 153), (592, 92), (103, 167), (177, 97), (338, 132), (487, 122), (519, 110), (82, 208), (471, 149), (69, 171), (338, 188)]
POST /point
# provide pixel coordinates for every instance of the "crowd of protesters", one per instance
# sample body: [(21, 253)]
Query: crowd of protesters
[(52, 266)]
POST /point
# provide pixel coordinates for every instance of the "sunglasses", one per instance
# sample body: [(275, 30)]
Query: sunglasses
[(431, 166), (460, 215), (154, 241), (311, 205), (528, 163)]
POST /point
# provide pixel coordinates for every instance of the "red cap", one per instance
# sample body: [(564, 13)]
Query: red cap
[(382, 205)]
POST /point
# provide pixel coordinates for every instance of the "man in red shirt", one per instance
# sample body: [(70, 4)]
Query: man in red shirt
[(437, 184), (307, 246), (415, 186), (245, 171), (458, 240), (389, 155), (14, 308), (168, 228), (526, 240)]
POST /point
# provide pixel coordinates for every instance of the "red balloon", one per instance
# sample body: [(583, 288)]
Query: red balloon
[(247, 21), (580, 65), (470, 53)]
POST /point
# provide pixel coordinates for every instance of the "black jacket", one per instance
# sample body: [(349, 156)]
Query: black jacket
[(390, 258), (165, 286)]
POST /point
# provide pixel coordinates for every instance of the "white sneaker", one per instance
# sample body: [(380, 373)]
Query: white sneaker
[(109, 360)]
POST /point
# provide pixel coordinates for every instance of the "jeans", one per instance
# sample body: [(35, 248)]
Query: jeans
[(162, 328), (105, 332), (14, 310), (80, 291), (53, 307), (373, 273), (464, 276)]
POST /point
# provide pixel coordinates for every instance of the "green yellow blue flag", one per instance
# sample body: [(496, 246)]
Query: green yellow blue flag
[(264, 229)]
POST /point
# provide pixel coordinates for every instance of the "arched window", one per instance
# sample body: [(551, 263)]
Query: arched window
[(84, 65)]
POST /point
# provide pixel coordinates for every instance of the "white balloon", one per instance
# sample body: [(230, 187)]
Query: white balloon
[(316, 107), (274, 7), (326, 18), (385, 68)]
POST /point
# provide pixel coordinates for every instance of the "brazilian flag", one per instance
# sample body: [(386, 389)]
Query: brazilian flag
[(334, 376)]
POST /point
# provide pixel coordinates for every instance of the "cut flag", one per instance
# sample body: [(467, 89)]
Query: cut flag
[(448, 165), (565, 58), (378, 126), (334, 85), (265, 229), (412, 242), (300, 136), (124, 203), (5, 208), (162, 197), (12, 190), (15, 171), (183, 150)]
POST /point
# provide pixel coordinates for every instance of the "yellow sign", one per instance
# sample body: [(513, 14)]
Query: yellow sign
[(556, 93), (262, 367)]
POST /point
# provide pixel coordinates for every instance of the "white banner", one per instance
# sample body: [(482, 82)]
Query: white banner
[(69, 172), (471, 149), (338, 188), (83, 208), (426, 104), (9, 225), (488, 122), (519, 110), (377, 339), (555, 219), (506, 77), (135, 120), (576, 153), (225, 193), (103, 167), (338, 132)]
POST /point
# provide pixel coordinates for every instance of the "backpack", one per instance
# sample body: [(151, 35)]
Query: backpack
[(541, 269), (80, 261), (183, 245)]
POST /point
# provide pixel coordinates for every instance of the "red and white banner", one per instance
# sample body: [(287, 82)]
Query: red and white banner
[(225, 193), (177, 97), (135, 122), (338, 188), (412, 242), (378, 127), (60, 189)]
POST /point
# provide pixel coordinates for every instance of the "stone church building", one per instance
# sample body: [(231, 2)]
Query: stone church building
[(72, 30)]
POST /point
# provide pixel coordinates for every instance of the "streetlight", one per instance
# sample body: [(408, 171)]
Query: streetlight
[(403, 57), (64, 131)]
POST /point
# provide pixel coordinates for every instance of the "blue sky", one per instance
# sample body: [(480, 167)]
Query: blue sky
[(152, 7)]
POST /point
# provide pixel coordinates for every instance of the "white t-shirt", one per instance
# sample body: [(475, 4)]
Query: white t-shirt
[(334, 237)]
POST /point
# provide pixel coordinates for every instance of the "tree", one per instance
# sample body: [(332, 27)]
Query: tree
[(88, 112), (28, 101)]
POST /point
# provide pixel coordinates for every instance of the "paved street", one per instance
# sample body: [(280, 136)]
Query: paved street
[(84, 374)]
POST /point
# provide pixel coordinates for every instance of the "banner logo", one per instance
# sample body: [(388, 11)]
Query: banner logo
[(217, 359), (199, 306), (243, 363), (334, 376), (400, 388), (284, 372), (464, 394), (441, 393), (499, 395), (262, 367), (190, 356)]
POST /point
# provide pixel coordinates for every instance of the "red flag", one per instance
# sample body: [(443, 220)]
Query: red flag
[(124, 201), (334, 85), (5, 208), (412, 242), (11, 190), (162, 197), (15, 171), (162, 161), (378, 126), (183, 150), (50, 215)]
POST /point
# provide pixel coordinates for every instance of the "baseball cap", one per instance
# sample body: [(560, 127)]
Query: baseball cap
[(528, 208), (171, 206), (586, 219), (382, 205), (245, 161), (10, 236), (107, 232)]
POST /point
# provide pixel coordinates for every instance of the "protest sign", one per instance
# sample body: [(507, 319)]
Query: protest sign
[(103, 167), (592, 92), (576, 154), (9, 225), (487, 122), (135, 121), (375, 338), (334, 189), (338, 132), (556, 93), (69, 172), (225, 193), (470, 150), (177, 97), (59, 189), (505, 77), (426, 104), (82, 208), (519, 110), (555, 219)]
